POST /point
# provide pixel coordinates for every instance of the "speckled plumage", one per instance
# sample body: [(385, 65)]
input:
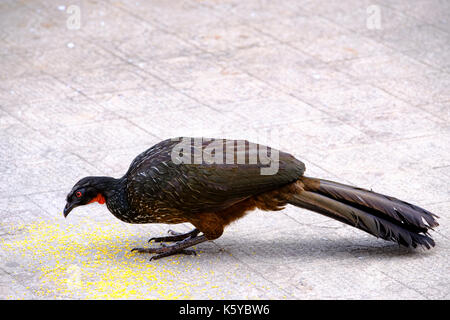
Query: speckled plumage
[(157, 188), (162, 191)]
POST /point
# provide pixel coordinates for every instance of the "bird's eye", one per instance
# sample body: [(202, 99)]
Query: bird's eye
[(78, 194)]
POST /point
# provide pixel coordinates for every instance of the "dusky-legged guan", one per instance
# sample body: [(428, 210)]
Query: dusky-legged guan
[(186, 180)]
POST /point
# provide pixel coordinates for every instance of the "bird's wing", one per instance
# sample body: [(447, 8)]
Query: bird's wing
[(155, 176)]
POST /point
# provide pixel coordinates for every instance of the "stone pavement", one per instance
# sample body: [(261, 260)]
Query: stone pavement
[(358, 90)]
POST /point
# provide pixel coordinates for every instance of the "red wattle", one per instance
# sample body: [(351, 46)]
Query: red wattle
[(99, 198)]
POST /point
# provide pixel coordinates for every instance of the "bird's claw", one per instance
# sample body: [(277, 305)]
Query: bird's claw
[(146, 250), (164, 251), (175, 236), (181, 247), (162, 239), (169, 253)]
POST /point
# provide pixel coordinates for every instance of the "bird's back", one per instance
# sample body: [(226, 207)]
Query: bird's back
[(164, 181)]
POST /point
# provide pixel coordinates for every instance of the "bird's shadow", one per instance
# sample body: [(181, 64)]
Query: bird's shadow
[(317, 249), (274, 249)]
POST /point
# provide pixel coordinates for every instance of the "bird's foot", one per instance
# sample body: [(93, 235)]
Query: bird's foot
[(170, 253), (177, 248), (161, 252), (175, 236)]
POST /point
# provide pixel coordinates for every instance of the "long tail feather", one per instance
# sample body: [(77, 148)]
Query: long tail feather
[(380, 215)]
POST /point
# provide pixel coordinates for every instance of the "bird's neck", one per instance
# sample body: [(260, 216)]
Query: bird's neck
[(115, 195), (108, 186)]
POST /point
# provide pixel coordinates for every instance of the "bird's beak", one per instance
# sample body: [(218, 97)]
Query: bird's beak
[(68, 208)]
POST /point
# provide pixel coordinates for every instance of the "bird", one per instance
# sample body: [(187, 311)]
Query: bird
[(211, 182)]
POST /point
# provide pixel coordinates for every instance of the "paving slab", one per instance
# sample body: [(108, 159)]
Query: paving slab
[(358, 90)]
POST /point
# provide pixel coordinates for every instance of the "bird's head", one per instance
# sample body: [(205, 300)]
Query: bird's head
[(85, 191)]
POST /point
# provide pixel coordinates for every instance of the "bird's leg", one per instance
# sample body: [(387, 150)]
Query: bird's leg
[(176, 236), (177, 248)]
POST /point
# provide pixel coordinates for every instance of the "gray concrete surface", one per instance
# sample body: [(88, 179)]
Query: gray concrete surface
[(358, 90)]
